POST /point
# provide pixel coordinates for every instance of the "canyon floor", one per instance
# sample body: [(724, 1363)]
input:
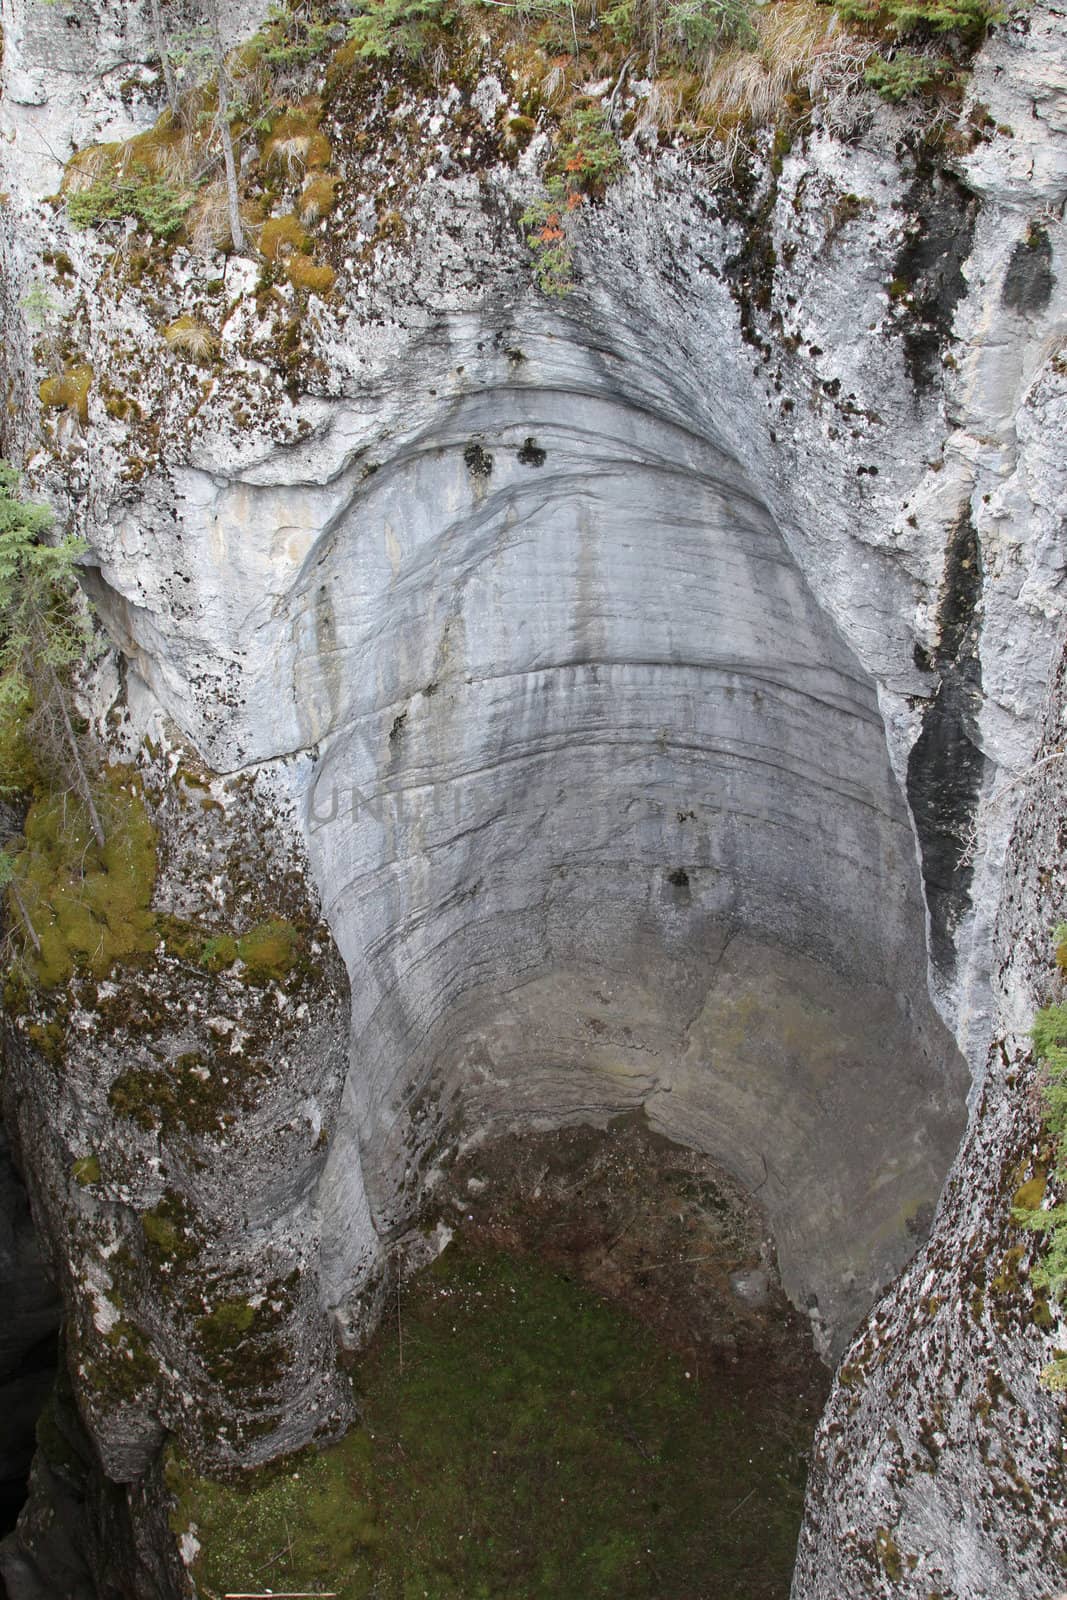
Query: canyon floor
[(596, 1389)]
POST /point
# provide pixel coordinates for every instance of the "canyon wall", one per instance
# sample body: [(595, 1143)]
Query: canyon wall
[(637, 692)]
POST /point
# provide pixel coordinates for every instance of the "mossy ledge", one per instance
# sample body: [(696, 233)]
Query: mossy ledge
[(172, 1055)]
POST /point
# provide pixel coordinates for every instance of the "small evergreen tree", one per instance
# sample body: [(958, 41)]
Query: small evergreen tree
[(44, 633)]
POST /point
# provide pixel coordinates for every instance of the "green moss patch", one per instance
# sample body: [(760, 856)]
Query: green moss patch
[(86, 1170), (170, 1239), (193, 1094), (218, 952), (239, 1346), (123, 1366), (523, 1437), (89, 905), (281, 236), (270, 949)]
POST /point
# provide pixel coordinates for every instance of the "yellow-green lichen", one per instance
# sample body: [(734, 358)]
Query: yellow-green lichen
[(1030, 1195), (888, 1552), (86, 1170), (270, 950), (69, 391)]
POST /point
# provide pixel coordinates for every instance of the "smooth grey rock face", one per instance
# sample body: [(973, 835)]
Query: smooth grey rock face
[(608, 820)]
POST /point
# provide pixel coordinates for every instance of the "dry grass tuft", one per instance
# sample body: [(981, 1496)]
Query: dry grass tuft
[(554, 84), (294, 144), (208, 222), (191, 338), (318, 198), (86, 166), (290, 154), (800, 48), (664, 105)]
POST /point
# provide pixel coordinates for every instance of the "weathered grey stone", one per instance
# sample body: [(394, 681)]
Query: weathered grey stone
[(594, 653)]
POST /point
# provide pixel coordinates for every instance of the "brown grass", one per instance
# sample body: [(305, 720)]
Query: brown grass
[(800, 47), (294, 144), (318, 198), (191, 338)]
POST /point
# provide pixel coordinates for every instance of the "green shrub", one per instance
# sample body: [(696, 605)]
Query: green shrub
[(383, 28), (156, 204), (289, 38), (587, 158), (587, 155), (968, 18), (685, 26), (907, 73), (549, 239)]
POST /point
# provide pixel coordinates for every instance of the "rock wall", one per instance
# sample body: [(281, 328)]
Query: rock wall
[(945, 1474), (173, 1128), (649, 681)]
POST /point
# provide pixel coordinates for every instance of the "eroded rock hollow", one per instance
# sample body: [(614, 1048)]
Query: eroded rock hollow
[(603, 817)]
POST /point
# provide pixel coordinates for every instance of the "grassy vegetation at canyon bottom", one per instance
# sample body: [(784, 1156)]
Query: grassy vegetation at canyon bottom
[(520, 1437)]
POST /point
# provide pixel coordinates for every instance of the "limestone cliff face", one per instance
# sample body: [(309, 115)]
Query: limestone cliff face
[(645, 683), (939, 1464)]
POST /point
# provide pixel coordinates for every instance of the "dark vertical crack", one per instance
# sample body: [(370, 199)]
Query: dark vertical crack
[(929, 268), (946, 765)]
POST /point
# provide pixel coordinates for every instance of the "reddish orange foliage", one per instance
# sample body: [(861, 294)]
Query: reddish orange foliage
[(551, 233)]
